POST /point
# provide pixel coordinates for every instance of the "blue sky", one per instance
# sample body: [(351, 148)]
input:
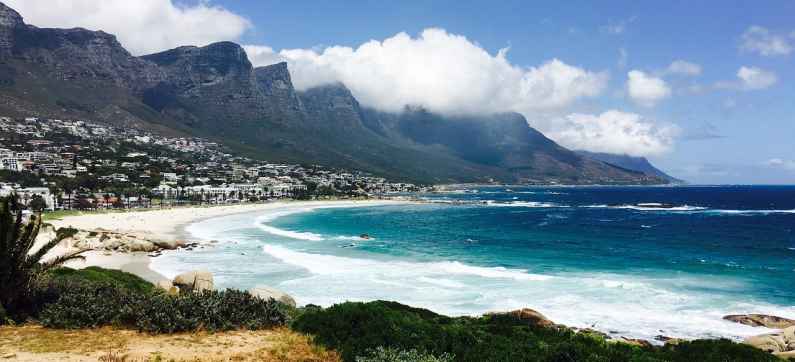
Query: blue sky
[(708, 123)]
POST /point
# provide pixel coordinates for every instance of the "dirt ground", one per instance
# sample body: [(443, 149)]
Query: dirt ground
[(35, 343)]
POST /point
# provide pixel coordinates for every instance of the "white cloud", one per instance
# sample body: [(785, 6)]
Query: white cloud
[(756, 78), (757, 39), (781, 164), (142, 26), (615, 132), (443, 72), (646, 89), (682, 67), (750, 78)]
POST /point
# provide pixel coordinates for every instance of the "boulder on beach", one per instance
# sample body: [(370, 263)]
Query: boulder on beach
[(169, 244), (761, 320), (133, 245), (264, 292), (195, 281)]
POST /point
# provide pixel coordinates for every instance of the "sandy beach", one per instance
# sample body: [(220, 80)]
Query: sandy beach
[(165, 224)]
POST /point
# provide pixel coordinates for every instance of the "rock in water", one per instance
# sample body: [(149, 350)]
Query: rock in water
[(761, 320), (195, 281), (266, 293)]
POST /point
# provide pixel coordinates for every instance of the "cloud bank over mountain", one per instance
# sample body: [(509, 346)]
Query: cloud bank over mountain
[(443, 72)]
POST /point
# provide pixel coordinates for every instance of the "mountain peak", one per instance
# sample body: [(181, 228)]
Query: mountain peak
[(223, 57), (9, 18)]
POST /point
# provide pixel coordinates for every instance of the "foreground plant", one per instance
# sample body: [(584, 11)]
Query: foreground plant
[(20, 265)]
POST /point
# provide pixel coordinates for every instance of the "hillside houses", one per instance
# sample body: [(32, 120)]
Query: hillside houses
[(80, 160)]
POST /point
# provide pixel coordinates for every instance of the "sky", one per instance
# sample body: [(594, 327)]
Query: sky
[(703, 89)]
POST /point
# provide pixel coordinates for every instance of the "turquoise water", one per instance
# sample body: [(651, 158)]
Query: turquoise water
[(582, 256)]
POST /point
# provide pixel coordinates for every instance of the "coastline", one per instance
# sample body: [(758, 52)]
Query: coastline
[(167, 224)]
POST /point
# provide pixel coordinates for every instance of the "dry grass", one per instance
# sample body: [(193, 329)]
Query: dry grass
[(35, 343)]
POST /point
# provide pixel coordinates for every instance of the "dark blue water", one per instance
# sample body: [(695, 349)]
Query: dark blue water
[(637, 261)]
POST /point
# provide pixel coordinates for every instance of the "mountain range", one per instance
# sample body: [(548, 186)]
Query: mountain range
[(215, 92)]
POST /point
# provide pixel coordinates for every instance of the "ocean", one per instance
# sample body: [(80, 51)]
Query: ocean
[(631, 261)]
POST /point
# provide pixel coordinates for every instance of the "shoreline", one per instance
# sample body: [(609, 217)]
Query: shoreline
[(168, 224)]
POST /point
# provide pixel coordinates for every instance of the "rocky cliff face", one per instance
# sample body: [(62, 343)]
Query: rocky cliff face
[(9, 21), (211, 88), (282, 102), (73, 54)]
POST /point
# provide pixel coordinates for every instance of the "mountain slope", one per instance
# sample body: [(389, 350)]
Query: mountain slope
[(215, 92), (503, 141), (640, 164)]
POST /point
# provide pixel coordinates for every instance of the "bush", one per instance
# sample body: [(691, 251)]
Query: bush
[(94, 274), (209, 310), (87, 305), (358, 329), (93, 304), (382, 354)]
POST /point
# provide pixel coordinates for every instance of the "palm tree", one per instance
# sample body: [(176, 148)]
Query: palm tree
[(20, 266)]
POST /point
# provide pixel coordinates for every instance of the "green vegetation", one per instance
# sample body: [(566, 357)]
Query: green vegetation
[(20, 266), (95, 297), (382, 354), (97, 275), (89, 305), (357, 329)]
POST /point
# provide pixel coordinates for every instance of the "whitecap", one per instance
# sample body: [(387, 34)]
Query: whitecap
[(291, 234), (532, 204)]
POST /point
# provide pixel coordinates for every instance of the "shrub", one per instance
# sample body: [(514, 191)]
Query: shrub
[(87, 305), (208, 310), (93, 304), (94, 274), (382, 354), (358, 329)]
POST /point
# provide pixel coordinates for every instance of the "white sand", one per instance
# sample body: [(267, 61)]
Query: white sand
[(165, 224)]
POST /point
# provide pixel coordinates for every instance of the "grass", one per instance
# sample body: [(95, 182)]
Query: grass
[(110, 344)]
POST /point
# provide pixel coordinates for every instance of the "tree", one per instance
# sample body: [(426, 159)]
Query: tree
[(37, 203), (20, 266)]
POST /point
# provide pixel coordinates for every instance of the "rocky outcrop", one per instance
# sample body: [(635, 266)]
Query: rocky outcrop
[(761, 320), (267, 293), (194, 281), (276, 85), (782, 341), (633, 342), (107, 240), (532, 317), (10, 20)]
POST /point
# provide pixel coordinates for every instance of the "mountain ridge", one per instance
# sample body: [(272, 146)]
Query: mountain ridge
[(214, 91), (635, 163)]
